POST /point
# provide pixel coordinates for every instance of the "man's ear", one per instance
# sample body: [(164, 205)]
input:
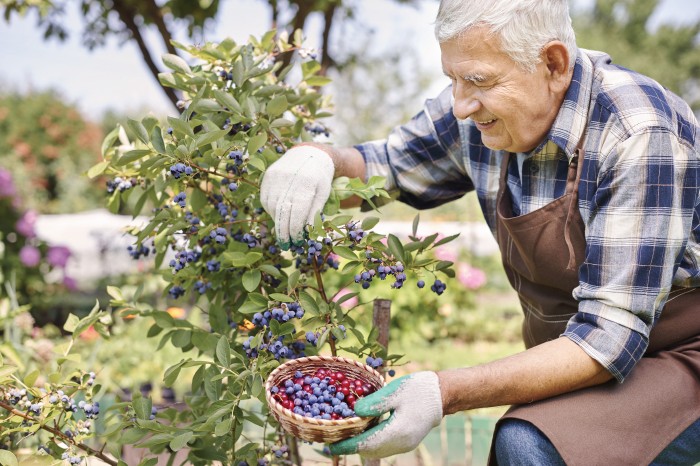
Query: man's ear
[(555, 56)]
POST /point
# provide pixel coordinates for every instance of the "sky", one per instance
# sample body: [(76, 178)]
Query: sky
[(115, 77)]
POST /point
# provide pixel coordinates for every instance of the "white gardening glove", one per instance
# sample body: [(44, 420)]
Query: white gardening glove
[(415, 404), (294, 189)]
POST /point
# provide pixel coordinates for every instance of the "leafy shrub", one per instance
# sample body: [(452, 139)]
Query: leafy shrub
[(196, 179)]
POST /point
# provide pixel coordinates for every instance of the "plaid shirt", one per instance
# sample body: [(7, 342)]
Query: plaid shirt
[(637, 196)]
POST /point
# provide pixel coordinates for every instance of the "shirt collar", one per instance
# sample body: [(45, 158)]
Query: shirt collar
[(569, 125)]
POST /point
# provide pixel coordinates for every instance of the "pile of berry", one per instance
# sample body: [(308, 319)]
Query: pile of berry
[(326, 394)]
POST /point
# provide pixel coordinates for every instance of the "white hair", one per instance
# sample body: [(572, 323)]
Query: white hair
[(523, 27)]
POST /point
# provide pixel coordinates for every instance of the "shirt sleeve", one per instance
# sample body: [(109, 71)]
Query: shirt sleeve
[(422, 160), (641, 213)]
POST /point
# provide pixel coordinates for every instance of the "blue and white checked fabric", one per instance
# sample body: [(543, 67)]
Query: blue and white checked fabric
[(638, 195)]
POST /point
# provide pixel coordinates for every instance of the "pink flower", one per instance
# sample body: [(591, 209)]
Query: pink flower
[(352, 302), (7, 186), (471, 277), (70, 283), (57, 256), (25, 225), (30, 256)]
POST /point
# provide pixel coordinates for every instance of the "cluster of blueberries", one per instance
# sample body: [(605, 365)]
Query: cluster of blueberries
[(184, 257), (310, 253), (219, 234), (120, 184), (316, 129), (355, 232), (180, 199), (312, 337), (236, 127), (179, 169), (397, 270), (276, 345), (325, 395), (194, 222), (438, 287), (139, 251), (261, 462), (71, 459), (374, 362)]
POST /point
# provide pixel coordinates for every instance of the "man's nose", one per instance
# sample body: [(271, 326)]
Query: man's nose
[(464, 105)]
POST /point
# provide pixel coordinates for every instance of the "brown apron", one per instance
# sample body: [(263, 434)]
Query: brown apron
[(613, 423)]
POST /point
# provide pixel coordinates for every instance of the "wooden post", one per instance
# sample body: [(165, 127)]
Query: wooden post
[(381, 319)]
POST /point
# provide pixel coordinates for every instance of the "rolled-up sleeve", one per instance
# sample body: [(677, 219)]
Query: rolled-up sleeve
[(422, 160)]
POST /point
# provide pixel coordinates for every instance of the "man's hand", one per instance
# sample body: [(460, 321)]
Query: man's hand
[(294, 189), (416, 407)]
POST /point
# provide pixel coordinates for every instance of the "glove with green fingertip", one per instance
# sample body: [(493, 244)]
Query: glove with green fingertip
[(415, 404)]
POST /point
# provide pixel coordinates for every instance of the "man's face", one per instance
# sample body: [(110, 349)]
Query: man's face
[(513, 109)]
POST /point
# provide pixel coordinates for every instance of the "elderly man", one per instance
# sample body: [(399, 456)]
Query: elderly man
[(588, 175)]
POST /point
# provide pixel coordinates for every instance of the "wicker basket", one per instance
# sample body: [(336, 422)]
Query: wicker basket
[(321, 430)]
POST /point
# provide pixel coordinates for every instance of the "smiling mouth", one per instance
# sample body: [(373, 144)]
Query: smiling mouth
[(484, 124)]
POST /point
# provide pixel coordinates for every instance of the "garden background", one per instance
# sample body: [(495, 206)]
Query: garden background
[(64, 245)]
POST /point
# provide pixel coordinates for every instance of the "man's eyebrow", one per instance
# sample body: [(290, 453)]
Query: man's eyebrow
[(475, 77)]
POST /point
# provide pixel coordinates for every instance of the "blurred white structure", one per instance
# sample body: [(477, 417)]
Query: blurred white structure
[(98, 240)]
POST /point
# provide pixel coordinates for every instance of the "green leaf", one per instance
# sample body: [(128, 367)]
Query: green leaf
[(281, 123), (395, 247), (446, 239), (157, 140), (256, 142), (344, 252), (415, 224), (176, 63), (293, 280), (71, 323), (97, 170), (207, 106), (132, 156), (369, 223), (277, 105), (142, 407), (212, 136), (318, 81), (138, 129), (7, 458), (30, 378), (181, 440), (346, 297), (223, 352), (171, 374), (283, 298), (109, 140), (6, 371), (227, 100), (198, 199), (180, 126), (251, 280), (308, 303), (270, 270), (223, 427)]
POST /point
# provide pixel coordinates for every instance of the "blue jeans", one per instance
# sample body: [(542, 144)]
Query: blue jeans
[(519, 443)]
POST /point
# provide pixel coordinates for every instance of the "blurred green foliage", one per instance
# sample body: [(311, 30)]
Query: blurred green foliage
[(48, 146)]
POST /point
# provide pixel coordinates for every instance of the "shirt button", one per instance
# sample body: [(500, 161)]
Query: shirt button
[(534, 168)]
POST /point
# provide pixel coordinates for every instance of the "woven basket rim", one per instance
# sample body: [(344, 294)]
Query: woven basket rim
[(282, 411)]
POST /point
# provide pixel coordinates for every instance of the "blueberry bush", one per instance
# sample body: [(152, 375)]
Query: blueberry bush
[(194, 180)]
